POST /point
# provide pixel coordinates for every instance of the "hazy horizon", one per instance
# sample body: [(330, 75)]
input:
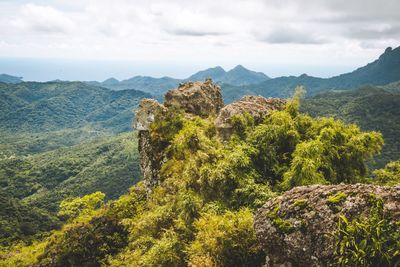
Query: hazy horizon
[(82, 40), (36, 69)]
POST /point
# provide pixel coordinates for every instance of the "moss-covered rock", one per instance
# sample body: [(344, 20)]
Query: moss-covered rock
[(297, 228)]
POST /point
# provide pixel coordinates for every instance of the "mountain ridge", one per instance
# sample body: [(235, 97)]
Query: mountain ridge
[(238, 75), (6, 78), (50, 106), (382, 71)]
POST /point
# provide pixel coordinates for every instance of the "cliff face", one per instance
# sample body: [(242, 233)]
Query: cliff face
[(296, 228), (202, 99)]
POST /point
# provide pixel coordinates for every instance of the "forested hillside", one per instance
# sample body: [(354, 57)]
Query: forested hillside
[(60, 140), (42, 107), (39, 182)]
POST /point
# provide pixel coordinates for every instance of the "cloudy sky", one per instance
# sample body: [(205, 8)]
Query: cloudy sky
[(177, 37)]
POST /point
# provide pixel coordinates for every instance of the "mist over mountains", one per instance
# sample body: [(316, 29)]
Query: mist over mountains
[(240, 81)]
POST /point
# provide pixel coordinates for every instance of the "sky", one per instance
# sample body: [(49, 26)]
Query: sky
[(97, 39)]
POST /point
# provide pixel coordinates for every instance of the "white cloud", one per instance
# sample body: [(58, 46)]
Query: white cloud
[(42, 19), (222, 32)]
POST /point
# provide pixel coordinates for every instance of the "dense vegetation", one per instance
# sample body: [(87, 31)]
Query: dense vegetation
[(202, 213), (18, 221), (39, 182), (390, 175), (371, 108)]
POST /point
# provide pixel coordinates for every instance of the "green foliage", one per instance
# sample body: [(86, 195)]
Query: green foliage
[(21, 222), (300, 203), (336, 153), (71, 208), (390, 175), (336, 198), (85, 243), (225, 240), (372, 108), (334, 201), (370, 241)]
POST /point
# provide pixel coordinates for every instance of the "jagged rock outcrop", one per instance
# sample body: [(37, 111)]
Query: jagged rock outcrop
[(257, 106), (197, 98), (146, 113), (296, 228), (150, 159)]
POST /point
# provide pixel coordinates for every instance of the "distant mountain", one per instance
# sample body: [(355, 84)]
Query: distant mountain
[(37, 107), (5, 78), (372, 108), (111, 82), (215, 73), (158, 86), (384, 70), (154, 86), (242, 76)]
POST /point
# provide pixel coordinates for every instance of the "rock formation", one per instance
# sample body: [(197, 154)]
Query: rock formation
[(195, 98), (150, 159), (296, 228), (257, 106)]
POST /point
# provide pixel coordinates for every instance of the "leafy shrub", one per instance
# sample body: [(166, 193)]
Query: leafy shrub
[(225, 240), (370, 241), (390, 175)]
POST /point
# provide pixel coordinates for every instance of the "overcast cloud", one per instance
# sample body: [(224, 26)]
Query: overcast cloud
[(255, 33)]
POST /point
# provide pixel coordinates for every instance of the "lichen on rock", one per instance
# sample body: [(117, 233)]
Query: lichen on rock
[(296, 229)]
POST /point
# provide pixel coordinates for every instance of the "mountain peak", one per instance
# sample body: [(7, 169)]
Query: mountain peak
[(215, 73), (239, 67), (388, 50), (110, 81)]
